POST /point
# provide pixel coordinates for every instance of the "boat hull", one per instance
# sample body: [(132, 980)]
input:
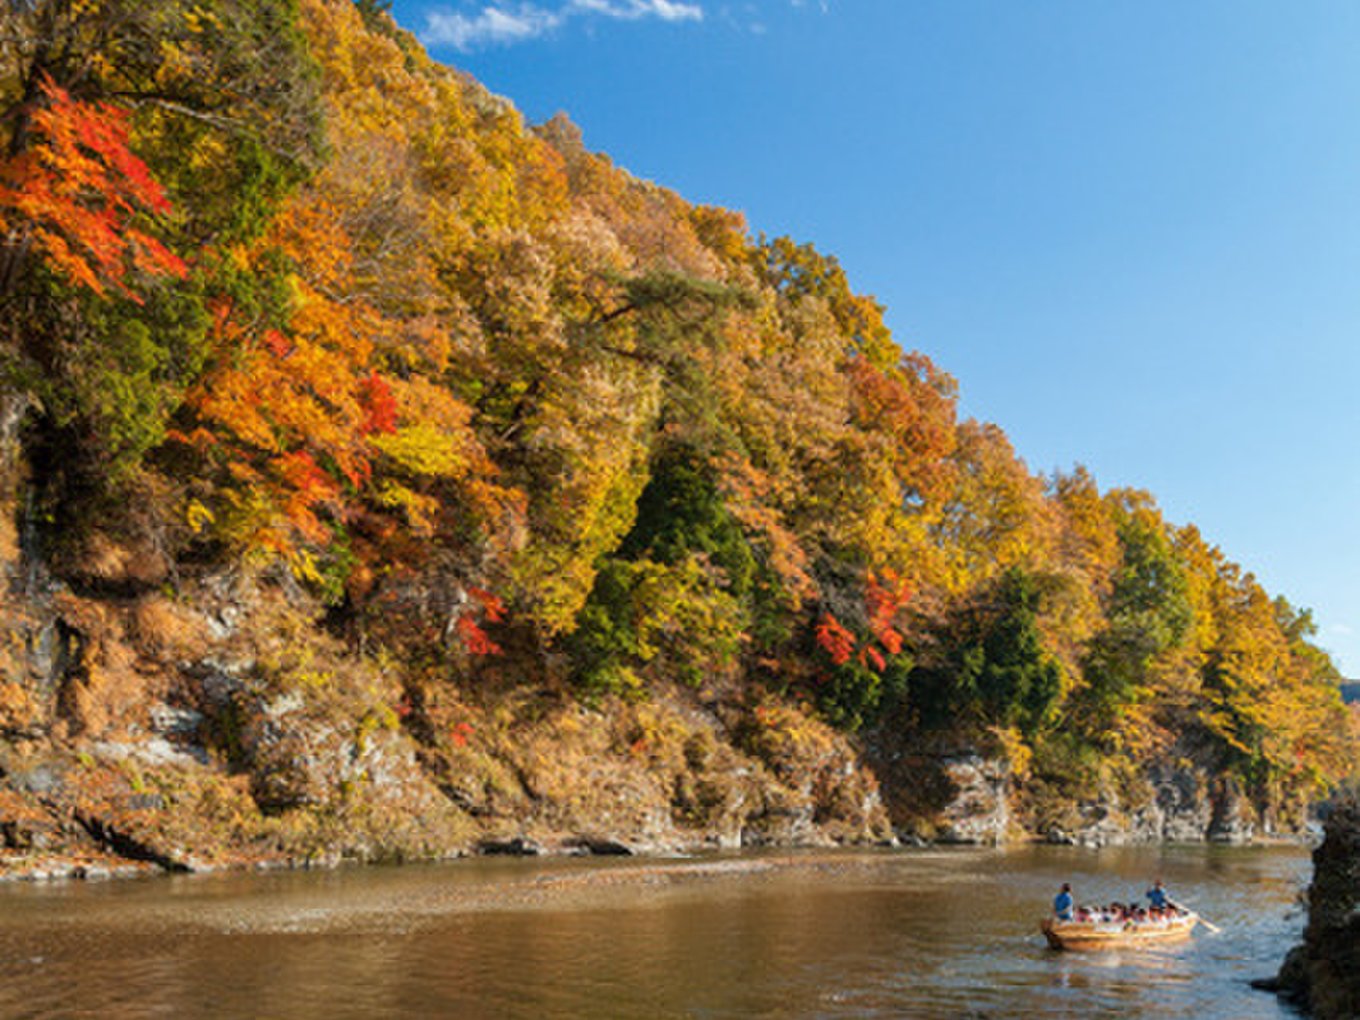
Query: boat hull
[(1082, 935)]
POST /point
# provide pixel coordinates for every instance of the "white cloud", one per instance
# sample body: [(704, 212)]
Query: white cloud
[(490, 26), (511, 23), (631, 10), (667, 10)]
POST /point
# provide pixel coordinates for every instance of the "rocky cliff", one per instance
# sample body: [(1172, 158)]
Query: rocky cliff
[(963, 795), (207, 723), (157, 722), (149, 720), (1323, 974)]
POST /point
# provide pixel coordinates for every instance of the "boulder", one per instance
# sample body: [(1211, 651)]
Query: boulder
[(599, 846), (519, 846)]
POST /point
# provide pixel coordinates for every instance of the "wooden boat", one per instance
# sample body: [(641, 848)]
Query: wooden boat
[(1116, 934)]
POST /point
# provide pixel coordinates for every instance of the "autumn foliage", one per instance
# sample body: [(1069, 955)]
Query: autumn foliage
[(505, 409), (76, 194), (835, 640)]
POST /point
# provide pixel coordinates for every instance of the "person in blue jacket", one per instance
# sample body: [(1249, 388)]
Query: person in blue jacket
[(1062, 903), (1157, 896)]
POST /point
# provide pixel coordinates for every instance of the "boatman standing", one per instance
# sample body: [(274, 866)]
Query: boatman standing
[(1157, 896), (1062, 903)]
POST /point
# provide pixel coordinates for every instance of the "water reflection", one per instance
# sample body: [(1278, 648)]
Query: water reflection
[(854, 935)]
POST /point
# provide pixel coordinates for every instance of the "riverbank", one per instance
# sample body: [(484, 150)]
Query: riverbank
[(94, 866)]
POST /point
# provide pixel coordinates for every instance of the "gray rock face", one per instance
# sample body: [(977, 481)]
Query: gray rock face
[(175, 723), (1186, 806), (43, 780), (1233, 819), (1105, 825), (980, 810), (297, 758), (39, 652), (1177, 802), (1182, 801), (156, 752), (781, 825), (1178, 810)]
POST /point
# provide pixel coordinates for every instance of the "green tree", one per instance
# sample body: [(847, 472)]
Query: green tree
[(1150, 611), (681, 512), (995, 670), (646, 619)]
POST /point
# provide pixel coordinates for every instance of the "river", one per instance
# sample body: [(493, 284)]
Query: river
[(918, 933)]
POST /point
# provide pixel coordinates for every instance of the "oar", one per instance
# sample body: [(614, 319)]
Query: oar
[(1202, 919)]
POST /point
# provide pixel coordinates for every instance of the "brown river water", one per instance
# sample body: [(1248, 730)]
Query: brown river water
[(912, 933)]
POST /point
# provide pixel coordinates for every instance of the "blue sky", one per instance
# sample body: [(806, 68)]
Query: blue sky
[(1130, 229)]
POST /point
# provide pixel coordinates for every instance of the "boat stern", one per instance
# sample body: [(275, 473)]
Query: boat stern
[(1046, 926)]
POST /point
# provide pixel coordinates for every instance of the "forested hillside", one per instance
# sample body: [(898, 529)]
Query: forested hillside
[(382, 474)]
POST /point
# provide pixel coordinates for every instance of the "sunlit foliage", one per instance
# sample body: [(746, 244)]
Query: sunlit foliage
[(501, 405)]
